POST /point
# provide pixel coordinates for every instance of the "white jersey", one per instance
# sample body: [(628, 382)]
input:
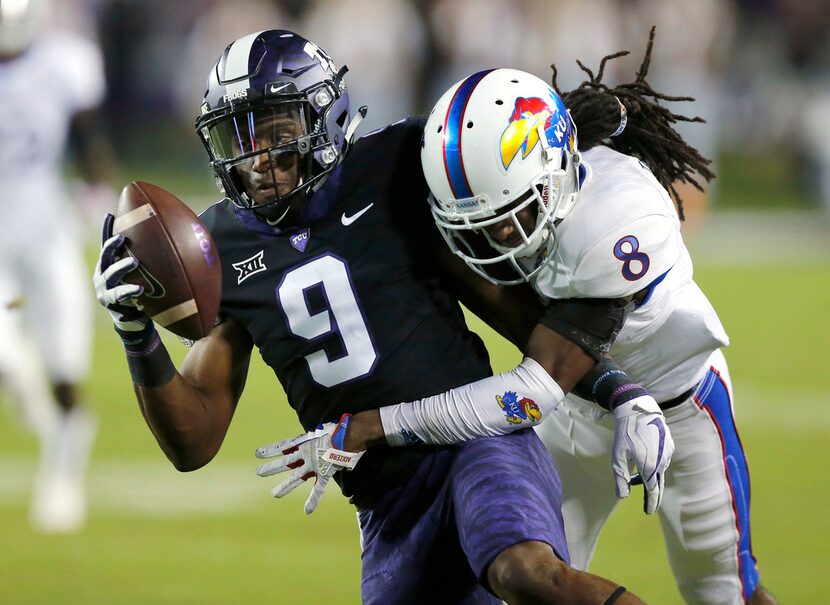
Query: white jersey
[(623, 236), (43, 88), (40, 246)]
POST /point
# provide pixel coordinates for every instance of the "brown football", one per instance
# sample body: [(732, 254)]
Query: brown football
[(178, 261)]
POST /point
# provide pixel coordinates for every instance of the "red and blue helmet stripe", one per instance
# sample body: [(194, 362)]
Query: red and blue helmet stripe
[(453, 124)]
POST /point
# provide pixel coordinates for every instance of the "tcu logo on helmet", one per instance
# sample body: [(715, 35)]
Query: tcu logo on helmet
[(239, 94), (315, 52)]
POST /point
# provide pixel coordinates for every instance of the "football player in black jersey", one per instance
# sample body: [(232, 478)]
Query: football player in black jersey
[(333, 269)]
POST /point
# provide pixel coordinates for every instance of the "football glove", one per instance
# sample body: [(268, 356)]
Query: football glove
[(117, 297), (318, 453), (641, 438)]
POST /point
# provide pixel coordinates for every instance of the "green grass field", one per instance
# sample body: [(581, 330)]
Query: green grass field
[(215, 536)]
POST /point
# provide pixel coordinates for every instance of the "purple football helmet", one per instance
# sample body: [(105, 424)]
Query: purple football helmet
[(275, 102)]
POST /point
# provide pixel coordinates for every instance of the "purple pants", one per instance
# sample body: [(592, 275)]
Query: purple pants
[(432, 539)]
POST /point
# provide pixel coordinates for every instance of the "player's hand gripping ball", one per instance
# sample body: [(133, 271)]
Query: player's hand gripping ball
[(179, 267)]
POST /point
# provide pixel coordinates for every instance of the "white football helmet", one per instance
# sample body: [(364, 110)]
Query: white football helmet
[(20, 22), (495, 143)]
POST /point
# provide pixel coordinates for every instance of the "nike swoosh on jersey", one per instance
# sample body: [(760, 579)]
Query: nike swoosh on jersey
[(348, 220)]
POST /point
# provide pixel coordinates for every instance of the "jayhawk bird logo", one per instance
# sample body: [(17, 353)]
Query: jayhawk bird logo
[(522, 131), (518, 410)]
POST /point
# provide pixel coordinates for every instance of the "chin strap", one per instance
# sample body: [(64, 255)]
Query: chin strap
[(338, 77), (350, 131)]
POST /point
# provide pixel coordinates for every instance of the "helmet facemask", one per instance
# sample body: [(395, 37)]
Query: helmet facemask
[(265, 153)]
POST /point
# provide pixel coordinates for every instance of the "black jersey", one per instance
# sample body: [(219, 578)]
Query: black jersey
[(349, 309)]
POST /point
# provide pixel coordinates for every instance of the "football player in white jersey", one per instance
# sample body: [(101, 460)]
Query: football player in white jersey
[(519, 201), (614, 234), (50, 83)]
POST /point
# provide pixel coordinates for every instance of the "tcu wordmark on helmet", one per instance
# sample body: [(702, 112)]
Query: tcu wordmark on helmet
[(274, 97), (496, 143)]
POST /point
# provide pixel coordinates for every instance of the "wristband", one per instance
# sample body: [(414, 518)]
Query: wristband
[(615, 596), (338, 437), (625, 393), (138, 340), (147, 358), (607, 385)]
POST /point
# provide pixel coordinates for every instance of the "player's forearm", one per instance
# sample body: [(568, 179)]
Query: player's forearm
[(497, 405), (563, 359), (188, 424)]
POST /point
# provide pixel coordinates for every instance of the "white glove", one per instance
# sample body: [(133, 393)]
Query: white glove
[(318, 453), (117, 297), (641, 438)]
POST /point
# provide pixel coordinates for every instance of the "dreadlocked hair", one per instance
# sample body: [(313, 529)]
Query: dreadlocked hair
[(649, 133)]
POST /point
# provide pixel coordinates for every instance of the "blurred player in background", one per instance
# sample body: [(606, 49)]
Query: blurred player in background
[(390, 36), (329, 269), (51, 83)]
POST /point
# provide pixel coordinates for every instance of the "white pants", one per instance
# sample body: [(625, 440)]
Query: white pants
[(705, 508)]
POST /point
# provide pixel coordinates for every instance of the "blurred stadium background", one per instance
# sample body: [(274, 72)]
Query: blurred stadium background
[(760, 237)]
